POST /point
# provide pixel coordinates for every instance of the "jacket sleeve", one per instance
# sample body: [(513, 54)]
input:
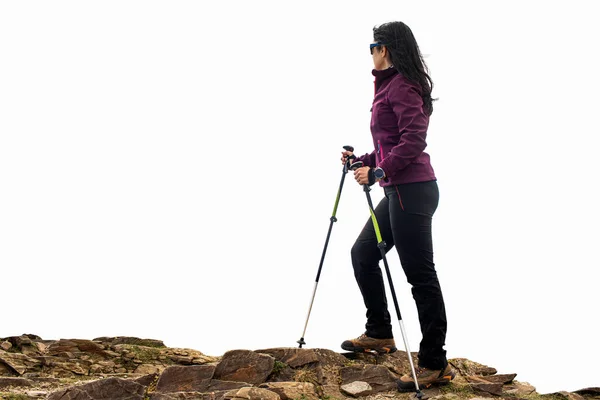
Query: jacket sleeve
[(407, 104), (368, 159)]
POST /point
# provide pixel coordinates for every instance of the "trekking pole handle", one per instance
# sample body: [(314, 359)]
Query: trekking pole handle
[(350, 157), (356, 165)]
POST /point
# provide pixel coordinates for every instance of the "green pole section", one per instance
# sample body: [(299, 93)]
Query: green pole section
[(376, 226)]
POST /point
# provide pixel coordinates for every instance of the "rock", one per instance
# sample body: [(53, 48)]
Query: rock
[(244, 366), (111, 341), (292, 390), (14, 382), (147, 380), (186, 396), (37, 393), (74, 348), (66, 367), (149, 369), (251, 393), (568, 396), (19, 363), (502, 379), (357, 389), (111, 388), (451, 396), (491, 388), (6, 345), (591, 392), (519, 389), (177, 378), (42, 348), (293, 357), (216, 385), (468, 367), (379, 377)]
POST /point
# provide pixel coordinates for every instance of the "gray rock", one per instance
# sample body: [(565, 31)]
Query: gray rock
[(37, 393), (357, 388)]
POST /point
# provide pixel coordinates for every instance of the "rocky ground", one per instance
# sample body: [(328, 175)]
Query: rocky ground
[(125, 368)]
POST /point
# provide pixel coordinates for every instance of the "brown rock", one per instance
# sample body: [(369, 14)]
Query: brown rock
[(518, 389), (292, 390), (593, 392), (491, 388), (216, 385), (293, 357), (244, 366), (502, 379), (379, 377), (14, 382), (568, 396), (251, 393), (186, 396), (6, 345), (468, 367), (111, 388), (75, 347), (146, 380), (67, 366), (149, 369), (111, 341), (195, 378), (19, 363)]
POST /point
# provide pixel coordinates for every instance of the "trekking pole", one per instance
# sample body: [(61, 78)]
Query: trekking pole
[(331, 221), (381, 245)]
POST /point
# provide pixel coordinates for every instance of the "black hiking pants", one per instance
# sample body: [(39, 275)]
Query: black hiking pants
[(404, 218)]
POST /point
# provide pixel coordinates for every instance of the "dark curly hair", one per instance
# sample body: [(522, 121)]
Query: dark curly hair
[(406, 57)]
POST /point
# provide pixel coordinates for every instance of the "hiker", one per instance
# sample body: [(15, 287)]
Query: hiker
[(399, 120)]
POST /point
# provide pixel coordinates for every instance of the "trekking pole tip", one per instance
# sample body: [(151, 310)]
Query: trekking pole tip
[(300, 342)]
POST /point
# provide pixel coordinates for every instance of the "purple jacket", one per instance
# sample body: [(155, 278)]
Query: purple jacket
[(399, 128)]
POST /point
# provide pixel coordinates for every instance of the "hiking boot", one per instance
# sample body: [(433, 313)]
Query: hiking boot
[(426, 378), (366, 344)]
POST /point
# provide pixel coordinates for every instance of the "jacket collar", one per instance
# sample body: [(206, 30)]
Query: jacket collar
[(383, 75)]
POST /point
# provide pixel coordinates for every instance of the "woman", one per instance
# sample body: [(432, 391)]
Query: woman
[(399, 120)]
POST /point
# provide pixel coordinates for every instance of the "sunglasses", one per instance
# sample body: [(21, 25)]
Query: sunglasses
[(373, 45)]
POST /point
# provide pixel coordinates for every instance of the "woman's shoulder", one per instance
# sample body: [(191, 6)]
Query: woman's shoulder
[(402, 86)]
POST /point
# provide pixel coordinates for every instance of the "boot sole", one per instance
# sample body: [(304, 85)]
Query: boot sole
[(380, 351), (444, 380)]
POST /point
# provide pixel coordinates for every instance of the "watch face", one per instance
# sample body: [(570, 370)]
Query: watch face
[(378, 173)]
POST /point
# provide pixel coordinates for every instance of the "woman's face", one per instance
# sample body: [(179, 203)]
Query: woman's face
[(379, 55)]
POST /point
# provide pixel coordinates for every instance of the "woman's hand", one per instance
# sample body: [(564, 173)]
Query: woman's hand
[(345, 155), (362, 175)]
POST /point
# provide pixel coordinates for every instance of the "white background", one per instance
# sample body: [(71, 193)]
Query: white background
[(168, 170)]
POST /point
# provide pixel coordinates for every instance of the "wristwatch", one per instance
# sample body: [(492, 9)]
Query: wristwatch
[(378, 173)]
